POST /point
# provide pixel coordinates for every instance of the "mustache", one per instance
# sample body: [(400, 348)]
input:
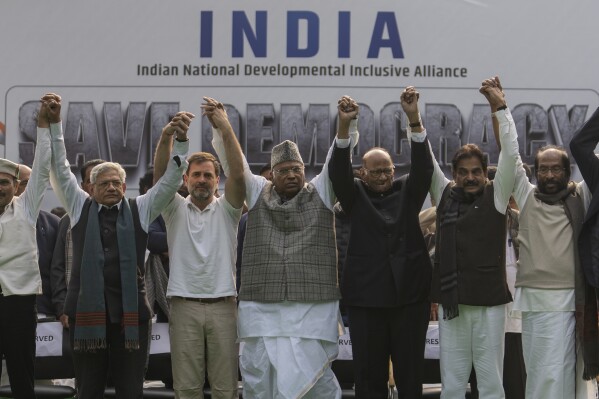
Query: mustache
[(472, 183)]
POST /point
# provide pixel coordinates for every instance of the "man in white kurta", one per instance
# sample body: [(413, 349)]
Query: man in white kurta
[(20, 280), (289, 320), (546, 280)]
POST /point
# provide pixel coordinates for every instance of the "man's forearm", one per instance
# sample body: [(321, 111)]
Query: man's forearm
[(161, 156), (233, 153), (508, 159), (62, 179), (40, 171), (158, 197)]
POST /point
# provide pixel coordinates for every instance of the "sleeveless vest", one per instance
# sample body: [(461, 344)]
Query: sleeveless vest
[(480, 253), (289, 253)]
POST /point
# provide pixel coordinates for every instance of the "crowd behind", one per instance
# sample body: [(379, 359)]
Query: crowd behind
[(507, 268)]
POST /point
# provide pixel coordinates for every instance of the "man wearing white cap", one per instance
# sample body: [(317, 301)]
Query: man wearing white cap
[(20, 280), (289, 297)]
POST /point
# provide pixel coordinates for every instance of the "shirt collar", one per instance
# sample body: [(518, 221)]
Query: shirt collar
[(118, 206), (191, 205)]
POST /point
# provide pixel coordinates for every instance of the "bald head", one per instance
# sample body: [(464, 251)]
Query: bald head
[(375, 154), (24, 174), (377, 169)]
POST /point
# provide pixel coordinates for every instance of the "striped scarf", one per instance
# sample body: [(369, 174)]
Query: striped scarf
[(90, 319)]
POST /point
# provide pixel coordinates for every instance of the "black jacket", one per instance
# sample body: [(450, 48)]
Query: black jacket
[(46, 232), (387, 261), (582, 146)]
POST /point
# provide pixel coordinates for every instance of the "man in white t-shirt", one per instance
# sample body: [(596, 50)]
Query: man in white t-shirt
[(202, 240)]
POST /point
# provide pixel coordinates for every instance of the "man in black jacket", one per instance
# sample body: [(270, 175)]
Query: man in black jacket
[(387, 273)]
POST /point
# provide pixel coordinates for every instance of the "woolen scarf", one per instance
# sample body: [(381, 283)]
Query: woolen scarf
[(585, 304), (90, 319), (457, 202)]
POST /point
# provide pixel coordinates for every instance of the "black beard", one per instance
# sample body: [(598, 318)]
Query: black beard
[(561, 185)]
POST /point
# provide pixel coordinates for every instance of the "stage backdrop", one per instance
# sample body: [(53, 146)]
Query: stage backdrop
[(124, 67)]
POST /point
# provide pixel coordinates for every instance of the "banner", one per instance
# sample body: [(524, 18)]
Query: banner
[(431, 349), (124, 68), (48, 339), (159, 340)]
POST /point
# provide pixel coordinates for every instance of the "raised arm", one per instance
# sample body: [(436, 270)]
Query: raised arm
[(152, 203), (179, 123), (40, 171), (510, 172), (340, 170), (417, 132), (583, 150), (421, 165), (234, 186), (253, 183), (63, 181)]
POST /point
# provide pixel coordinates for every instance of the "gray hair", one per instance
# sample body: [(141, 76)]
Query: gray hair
[(104, 167)]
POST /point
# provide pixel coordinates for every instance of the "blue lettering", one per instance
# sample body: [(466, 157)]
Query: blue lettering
[(293, 18), (343, 46), (385, 21), (206, 34), (256, 39)]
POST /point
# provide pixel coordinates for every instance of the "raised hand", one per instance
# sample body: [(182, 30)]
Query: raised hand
[(215, 112), (493, 91), (409, 100), (49, 110), (179, 125), (347, 108)]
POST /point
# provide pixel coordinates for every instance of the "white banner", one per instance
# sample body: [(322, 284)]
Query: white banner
[(123, 68), (159, 340), (48, 339), (431, 350)]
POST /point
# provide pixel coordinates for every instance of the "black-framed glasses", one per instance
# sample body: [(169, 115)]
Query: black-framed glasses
[(378, 172), (285, 171), (555, 170)]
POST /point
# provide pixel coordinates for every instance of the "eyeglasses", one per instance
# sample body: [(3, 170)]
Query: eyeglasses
[(285, 171), (105, 184), (378, 172), (555, 170)]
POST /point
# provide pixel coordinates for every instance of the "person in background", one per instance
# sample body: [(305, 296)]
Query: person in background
[(59, 211)]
